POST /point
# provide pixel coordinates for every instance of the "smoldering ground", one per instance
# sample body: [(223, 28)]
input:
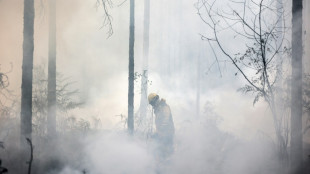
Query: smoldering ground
[(200, 147)]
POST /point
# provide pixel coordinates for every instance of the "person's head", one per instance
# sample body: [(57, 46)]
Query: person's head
[(153, 99)]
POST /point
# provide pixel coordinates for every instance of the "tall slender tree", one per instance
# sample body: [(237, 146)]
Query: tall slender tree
[(144, 79), (296, 89), (131, 77), (28, 47), (51, 86)]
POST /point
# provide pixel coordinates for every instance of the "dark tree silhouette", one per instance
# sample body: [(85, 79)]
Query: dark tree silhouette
[(131, 77), (28, 46), (296, 88)]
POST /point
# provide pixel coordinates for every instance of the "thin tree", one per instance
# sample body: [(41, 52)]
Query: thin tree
[(131, 77), (280, 104), (296, 88), (144, 79), (51, 86), (28, 47)]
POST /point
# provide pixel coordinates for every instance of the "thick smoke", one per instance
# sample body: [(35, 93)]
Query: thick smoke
[(228, 136)]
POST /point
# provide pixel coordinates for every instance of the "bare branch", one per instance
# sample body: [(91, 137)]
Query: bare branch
[(31, 155), (107, 19)]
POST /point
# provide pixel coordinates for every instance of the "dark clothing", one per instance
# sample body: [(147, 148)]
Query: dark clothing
[(164, 128), (163, 120)]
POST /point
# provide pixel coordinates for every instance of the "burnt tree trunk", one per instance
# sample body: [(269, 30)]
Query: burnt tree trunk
[(27, 67), (296, 89), (131, 77)]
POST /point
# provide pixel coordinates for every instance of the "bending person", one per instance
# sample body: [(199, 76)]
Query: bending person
[(164, 125)]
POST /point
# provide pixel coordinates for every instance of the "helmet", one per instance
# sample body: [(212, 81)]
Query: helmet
[(152, 98)]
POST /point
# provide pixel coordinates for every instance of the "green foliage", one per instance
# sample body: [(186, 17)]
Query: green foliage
[(137, 76)]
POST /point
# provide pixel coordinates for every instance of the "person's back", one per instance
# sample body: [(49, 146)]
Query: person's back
[(164, 125), (163, 120)]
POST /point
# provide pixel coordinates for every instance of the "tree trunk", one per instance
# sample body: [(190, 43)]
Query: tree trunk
[(296, 89), (130, 121), (144, 79), (51, 95), (306, 19), (28, 47), (279, 105)]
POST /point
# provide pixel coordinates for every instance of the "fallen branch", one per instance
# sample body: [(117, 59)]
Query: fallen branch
[(31, 155), (2, 169)]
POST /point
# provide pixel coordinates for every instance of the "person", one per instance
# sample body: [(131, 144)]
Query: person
[(164, 125)]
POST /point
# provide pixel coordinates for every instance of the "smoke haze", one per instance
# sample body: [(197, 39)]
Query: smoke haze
[(230, 135)]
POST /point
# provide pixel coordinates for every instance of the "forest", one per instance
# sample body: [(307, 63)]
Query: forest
[(154, 87)]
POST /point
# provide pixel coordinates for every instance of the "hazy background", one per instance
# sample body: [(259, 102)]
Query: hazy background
[(99, 64)]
